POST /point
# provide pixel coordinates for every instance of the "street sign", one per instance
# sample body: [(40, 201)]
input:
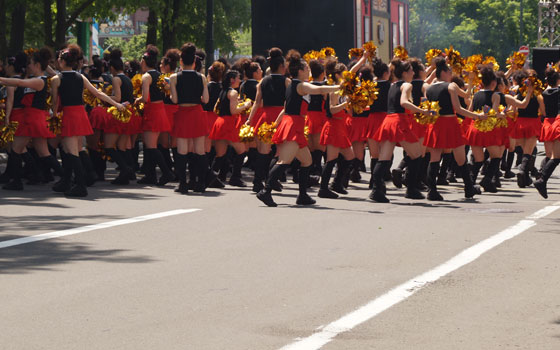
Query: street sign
[(524, 50)]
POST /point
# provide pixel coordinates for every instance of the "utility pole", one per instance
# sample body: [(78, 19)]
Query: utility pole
[(521, 22), (209, 33)]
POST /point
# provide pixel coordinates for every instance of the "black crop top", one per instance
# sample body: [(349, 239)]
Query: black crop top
[(18, 95), (503, 101), (317, 102), (550, 99), (417, 92), (189, 87), (39, 100), (440, 92), (155, 93), (214, 89), (293, 99), (532, 110), (380, 104), (273, 89), (71, 88), (394, 98), (249, 89), (223, 107), (127, 91), (481, 99)]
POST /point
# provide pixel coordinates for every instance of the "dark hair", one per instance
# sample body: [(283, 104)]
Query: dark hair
[(216, 71), (71, 55), (251, 69), (96, 68), (417, 67), (520, 76), (295, 63), (171, 58), (225, 62), (400, 67), (441, 66), (241, 64), (501, 78), (150, 56), (43, 56), (188, 53), (487, 74), (275, 59), (316, 68), (458, 80), (379, 68), (115, 60), (366, 72), (230, 74), (333, 67), (199, 58), (551, 76), (133, 68), (261, 61), (19, 61)]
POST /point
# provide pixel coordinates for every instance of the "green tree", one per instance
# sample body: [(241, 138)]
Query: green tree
[(132, 49)]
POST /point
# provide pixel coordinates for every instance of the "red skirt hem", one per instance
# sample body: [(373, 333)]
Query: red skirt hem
[(374, 122), (315, 121), (526, 128), (335, 133), (75, 122), (35, 123), (395, 128), (444, 134), (291, 128), (357, 127), (269, 115), (155, 118), (190, 122), (224, 129)]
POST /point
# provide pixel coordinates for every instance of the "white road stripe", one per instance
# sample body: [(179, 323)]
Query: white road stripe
[(396, 295), (73, 231)]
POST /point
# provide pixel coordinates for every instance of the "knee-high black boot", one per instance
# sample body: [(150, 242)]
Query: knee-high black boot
[(33, 173), (166, 175), (80, 188), (324, 191), (149, 168), (341, 173), (470, 189), (433, 170), (378, 193), (491, 171), (166, 156), (16, 172), (372, 163), (523, 173), (51, 162), (99, 164), (445, 163), (216, 166), (303, 198), (235, 179), (275, 173), (317, 156), (129, 158), (65, 182), (508, 174), (397, 173), (261, 168), (87, 165), (124, 168), (181, 173), (412, 191), (547, 171)]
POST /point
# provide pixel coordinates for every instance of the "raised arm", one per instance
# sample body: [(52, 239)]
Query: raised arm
[(310, 89), (234, 100), (457, 105)]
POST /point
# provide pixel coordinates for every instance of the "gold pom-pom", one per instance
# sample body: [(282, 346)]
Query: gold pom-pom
[(314, 55), (137, 85), (266, 131), (487, 124), (306, 131), (371, 49), (360, 93), (246, 134), (400, 52), (90, 99), (329, 52), (7, 133), (55, 123), (433, 108), (536, 83), (356, 53), (2, 111), (491, 60), (455, 60), (138, 108), (163, 85), (517, 59), (248, 110), (30, 51), (431, 54), (122, 116), (459, 120), (108, 90)]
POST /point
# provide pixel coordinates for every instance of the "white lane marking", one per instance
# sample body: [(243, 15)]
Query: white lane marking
[(327, 333), (73, 231)]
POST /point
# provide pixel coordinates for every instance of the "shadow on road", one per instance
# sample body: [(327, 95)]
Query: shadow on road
[(13, 224), (48, 255)]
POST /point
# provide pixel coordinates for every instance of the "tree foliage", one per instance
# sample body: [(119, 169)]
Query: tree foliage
[(488, 27)]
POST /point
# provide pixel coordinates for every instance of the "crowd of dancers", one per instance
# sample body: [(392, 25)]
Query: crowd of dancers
[(192, 123)]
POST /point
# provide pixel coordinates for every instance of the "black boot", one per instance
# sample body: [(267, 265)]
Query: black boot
[(543, 163), (5, 177), (181, 173), (235, 179), (324, 191), (149, 168), (87, 165), (129, 158), (442, 175), (166, 156), (519, 152), (378, 194), (65, 182), (295, 170), (412, 191), (422, 173), (469, 188), (317, 157), (79, 189), (372, 163), (475, 169), (486, 182), (303, 198), (355, 176), (547, 171), (216, 166), (265, 195), (523, 172), (166, 175), (34, 175), (433, 170), (99, 164), (16, 172), (508, 174), (397, 173), (338, 185), (51, 162), (260, 172), (191, 166), (124, 168)]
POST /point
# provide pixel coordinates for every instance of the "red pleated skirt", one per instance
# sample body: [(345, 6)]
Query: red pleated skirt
[(98, 118), (484, 139), (547, 131), (113, 126), (465, 125), (224, 129), (445, 133), (335, 132), (374, 122), (211, 118), (190, 122), (35, 123), (395, 128), (291, 128), (526, 128), (75, 121), (155, 118), (418, 129), (256, 117), (240, 120), (18, 115), (357, 128), (269, 115), (315, 121), (134, 126), (170, 110)]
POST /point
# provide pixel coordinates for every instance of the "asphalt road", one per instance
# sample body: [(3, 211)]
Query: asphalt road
[(238, 275)]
